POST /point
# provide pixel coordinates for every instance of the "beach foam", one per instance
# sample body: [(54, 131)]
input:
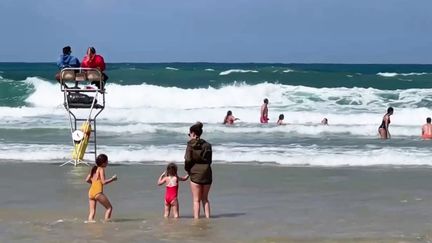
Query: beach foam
[(235, 153)]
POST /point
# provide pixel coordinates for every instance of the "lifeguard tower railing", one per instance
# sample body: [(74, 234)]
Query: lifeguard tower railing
[(83, 88)]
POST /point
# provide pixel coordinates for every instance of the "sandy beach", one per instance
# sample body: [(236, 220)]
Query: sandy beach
[(48, 203)]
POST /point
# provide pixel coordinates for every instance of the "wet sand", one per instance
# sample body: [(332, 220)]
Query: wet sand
[(48, 203)]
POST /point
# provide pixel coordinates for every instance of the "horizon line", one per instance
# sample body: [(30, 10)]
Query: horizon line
[(203, 62)]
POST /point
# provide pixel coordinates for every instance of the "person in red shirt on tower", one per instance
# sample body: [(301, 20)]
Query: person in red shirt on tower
[(92, 60)]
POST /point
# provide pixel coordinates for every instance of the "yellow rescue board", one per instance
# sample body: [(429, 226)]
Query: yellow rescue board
[(80, 148)]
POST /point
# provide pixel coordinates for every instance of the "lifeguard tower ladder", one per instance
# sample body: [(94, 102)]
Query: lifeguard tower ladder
[(80, 96)]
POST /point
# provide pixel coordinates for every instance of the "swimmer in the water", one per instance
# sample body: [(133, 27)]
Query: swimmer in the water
[(264, 111), (427, 129), (229, 118), (324, 121), (280, 121), (383, 129)]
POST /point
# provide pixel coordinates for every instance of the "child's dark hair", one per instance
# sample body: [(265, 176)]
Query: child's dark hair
[(197, 129), (281, 116), (171, 169), (100, 160)]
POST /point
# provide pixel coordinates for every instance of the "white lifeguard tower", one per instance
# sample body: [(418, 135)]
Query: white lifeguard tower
[(84, 99)]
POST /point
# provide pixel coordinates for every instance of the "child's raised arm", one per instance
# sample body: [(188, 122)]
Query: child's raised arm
[(184, 178), (162, 179), (102, 176)]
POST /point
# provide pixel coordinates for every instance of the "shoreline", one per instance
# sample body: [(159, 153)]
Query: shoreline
[(6, 162), (48, 203)]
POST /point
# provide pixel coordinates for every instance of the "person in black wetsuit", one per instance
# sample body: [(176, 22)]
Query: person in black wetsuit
[(383, 129)]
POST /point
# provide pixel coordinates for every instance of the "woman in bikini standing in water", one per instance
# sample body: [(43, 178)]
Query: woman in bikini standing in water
[(384, 127)]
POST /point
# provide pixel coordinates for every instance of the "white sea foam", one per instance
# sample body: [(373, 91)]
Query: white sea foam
[(301, 105), (288, 155), (389, 75), (238, 95), (237, 71), (209, 69), (298, 130), (171, 68), (108, 126), (288, 71)]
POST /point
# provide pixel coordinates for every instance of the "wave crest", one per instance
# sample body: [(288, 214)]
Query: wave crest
[(390, 75), (237, 71)]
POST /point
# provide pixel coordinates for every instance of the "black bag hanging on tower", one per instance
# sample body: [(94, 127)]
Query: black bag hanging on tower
[(79, 98)]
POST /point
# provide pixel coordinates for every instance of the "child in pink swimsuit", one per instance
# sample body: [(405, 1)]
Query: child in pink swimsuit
[(170, 178)]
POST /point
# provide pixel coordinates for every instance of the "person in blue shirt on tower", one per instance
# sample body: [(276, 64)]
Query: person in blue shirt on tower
[(66, 60)]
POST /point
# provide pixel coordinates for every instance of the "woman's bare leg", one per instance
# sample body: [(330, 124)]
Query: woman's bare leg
[(383, 133), (196, 198), (205, 200), (106, 203), (92, 210)]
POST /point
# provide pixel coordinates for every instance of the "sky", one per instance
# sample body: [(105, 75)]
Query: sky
[(275, 31)]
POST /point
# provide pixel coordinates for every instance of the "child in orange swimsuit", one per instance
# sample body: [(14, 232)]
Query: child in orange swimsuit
[(170, 178), (96, 178)]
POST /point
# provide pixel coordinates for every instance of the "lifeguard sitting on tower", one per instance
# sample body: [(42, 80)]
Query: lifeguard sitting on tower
[(93, 60)]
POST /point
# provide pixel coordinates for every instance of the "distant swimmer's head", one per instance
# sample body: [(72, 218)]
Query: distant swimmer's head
[(102, 160), (171, 169), (266, 101), (67, 50), (390, 110), (229, 113), (281, 116), (324, 121), (196, 129), (428, 120)]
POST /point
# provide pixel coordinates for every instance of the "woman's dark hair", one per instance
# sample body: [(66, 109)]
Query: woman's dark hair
[(171, 169), (428, 120), (100, 160), (197, 128), (390, 110), (266, 100), (92, 50), (229, 113), (281, 116)]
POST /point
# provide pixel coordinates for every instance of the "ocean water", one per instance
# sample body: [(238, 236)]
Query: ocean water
[(151, 106)]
